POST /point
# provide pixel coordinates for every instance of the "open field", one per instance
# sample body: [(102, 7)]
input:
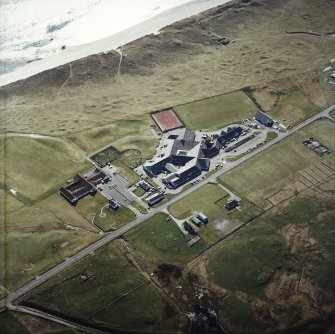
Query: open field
[(162, 239), (109, 219), (245, 259), (38, 325), (28, 256), (120, 297), (76, 216), (292, 108), (207, 199), (51, 227), (35, 168), (93, 138), (288, 168), (216, 112), (278, 287)]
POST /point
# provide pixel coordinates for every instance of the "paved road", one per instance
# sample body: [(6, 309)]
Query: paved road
[(89, 250)]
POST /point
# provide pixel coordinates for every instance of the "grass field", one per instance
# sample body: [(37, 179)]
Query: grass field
[(265, 175), (10, 325), (292, 108), (107, 289), (110, 219), (216, 112), (36, 168), (163, 240), (270, 136), (96, 137), (28, 256), (205, 200), (235, 311), (241, 264), (297, 239), (51, 227), (139, 192)]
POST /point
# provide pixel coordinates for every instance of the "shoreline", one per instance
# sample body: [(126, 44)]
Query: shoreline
[(149, 26)]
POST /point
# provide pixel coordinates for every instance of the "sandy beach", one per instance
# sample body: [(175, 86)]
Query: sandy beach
[(149, 26)]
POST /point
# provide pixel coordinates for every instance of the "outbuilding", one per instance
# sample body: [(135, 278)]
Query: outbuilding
[(232, 205), (264, 119), (113, 204), (202, 218)]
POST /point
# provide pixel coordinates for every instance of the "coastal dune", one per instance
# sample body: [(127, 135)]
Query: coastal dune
[(149, 26)]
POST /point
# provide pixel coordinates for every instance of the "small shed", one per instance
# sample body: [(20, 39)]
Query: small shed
[(232, 205), (202, 218), (113, 204), (196, 221)]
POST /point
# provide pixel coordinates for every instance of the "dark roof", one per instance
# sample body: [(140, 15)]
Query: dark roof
[(231, 133), (144, 185), (155, 198), (204, 163), (231, 205), (189, 135), (202, 217), (77, 189), (263, 118)]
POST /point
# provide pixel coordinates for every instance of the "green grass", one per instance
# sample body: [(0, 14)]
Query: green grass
[(36, 168), (114, 294), (242, 264), (113, 219), (10, 325), (235, 311), (154, 316), (307, 210), (216, 112), (258, 176), (294, 107), (163, 240), (234, 157), (139, 192), (127, 172), (138, 207), (247, 261), (204, 200), (69, 214), (137, 148), (270, 136), (94, 138), (28, 255)]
